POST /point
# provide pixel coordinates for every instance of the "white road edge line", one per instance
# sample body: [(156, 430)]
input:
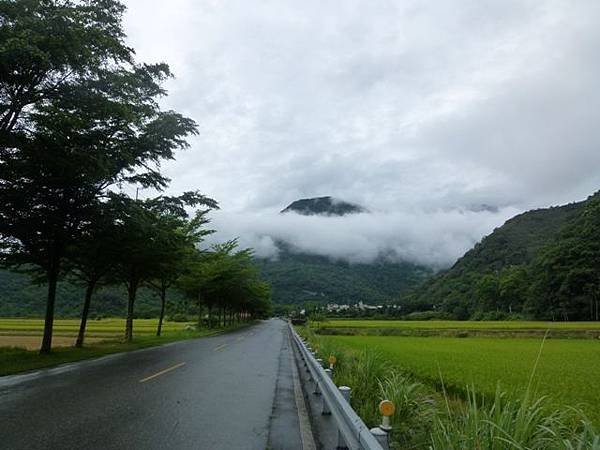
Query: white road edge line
[(306, 435)]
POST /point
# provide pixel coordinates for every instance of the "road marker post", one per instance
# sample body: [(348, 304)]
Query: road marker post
[(381, 433), (331, 360)]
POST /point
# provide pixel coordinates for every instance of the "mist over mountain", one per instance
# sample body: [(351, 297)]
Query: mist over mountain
[(331, 250), (427, 236)]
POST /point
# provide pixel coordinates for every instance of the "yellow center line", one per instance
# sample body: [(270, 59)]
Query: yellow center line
[(220, 347), (162, 372)]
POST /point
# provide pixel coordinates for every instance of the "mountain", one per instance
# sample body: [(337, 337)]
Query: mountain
[(324, 206), (543, 264), (303, 277)]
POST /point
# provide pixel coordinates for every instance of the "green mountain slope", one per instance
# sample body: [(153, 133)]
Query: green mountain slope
[(298, 278), (508, 272)]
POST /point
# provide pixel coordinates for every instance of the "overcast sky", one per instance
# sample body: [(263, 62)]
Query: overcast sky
[(418, 110)]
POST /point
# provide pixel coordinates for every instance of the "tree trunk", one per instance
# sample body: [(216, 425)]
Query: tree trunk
[(209, 316), (163, 295), (51, 300), (84, 313), (199, 312), (131, 290)]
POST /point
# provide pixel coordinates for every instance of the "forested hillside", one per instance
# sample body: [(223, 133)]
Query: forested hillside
[(298, 278), (543, 263), (19, 297)]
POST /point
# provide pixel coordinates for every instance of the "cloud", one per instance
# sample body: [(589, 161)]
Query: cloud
[(398, 106), (432, 238)]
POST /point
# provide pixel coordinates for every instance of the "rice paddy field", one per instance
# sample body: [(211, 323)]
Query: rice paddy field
[(26, 333), (568, 370), (460, 325)]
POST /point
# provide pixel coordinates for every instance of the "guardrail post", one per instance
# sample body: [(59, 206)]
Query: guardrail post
[(346, 393), (317, 391), (326, 411), (382, 437)]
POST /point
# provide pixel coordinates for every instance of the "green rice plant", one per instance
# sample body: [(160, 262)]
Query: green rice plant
[(568, 370), (459, 324)]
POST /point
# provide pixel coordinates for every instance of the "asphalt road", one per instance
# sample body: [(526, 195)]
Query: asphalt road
[(232, 391)]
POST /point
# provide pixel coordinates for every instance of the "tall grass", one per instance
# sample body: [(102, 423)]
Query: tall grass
[(506, 422), (426, 419)]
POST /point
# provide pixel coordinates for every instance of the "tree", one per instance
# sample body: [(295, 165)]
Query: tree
[(227, 279), (137, 260), (568, 270), (488, 291), (184, 234), (152, 236), (513, 288), (91, 257), (77, 117), (47, 47)]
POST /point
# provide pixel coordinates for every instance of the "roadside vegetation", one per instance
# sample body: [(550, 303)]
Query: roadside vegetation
[(81, 129), (433, 413)]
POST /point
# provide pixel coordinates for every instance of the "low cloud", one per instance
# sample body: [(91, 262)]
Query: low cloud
[(432, 238), (420, 111)]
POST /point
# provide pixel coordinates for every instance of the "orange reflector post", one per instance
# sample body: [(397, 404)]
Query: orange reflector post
[(387, 408)]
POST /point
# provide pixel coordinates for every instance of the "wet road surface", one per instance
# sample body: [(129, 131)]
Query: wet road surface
[(231, 391)]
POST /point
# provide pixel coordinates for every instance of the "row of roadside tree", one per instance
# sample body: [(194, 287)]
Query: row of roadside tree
[(80, 126)]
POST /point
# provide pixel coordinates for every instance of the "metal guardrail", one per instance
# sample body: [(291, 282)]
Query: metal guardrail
[(356, 435)]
